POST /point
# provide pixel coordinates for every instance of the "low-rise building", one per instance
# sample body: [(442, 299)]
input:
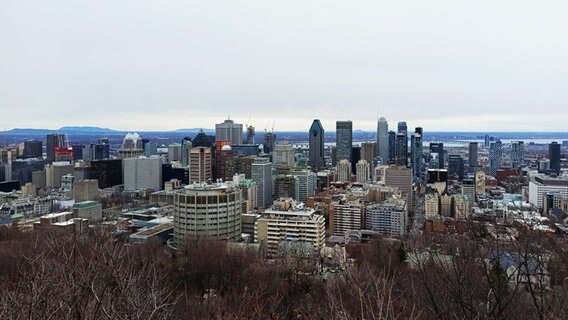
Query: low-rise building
[(389, 217), (298, 226), (90, 210)]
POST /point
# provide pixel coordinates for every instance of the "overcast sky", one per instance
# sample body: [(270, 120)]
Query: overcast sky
[(162, 65)]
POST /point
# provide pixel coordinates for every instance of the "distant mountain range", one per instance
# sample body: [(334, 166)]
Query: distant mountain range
[(291, 135), (85, 130)]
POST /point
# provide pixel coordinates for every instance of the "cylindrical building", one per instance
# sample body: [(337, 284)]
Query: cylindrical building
[(207, 210)]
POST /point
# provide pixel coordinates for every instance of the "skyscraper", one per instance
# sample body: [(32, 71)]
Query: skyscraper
[(368, 151), (472, 157), (33, 149), (401, 157), (554, 155), (200, 164), (383, 140), (392, 147), (306, 184), (402, 127), (416, 153), (262, 175), (363, 171), (54, 141), (438, 149), (269, 142), (132, 146), (185, 149), (316, 160), (455, 165), (100, 150), (344, 171), (229, 130), (517, 153), (495, 156), (283, 153), (343, 140)]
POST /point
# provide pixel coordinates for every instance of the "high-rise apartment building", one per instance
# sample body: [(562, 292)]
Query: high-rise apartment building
[(200, 165), (344, 171), (383, 140), (363, 171), (229, 130), (517, 153), (223, 154), (389, 217), (302, 227), (392, 148), (207, 210), (345, 215), (495, 157), (343, 140), (262, 175), (316, 160), (306, 184)]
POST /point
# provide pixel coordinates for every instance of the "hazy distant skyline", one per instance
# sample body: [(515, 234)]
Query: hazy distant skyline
[(163, 65)]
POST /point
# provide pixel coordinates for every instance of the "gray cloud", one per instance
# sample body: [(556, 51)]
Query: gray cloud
[(144, 64)]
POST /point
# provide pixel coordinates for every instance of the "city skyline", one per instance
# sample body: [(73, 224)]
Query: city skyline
[(161, 66)]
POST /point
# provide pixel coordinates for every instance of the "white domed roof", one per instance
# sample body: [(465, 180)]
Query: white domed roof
[(226, 148)]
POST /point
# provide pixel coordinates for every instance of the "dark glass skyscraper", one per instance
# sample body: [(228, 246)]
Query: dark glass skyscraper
[(402, 144), (316, 160), (438, 148), (554, 155), (392, 147), (33, 149), (343, 140), (472, 156), (401, 155), (416, 153), (455, 165)]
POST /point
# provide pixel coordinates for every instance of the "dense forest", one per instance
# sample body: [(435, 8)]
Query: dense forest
[(51, 274)]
